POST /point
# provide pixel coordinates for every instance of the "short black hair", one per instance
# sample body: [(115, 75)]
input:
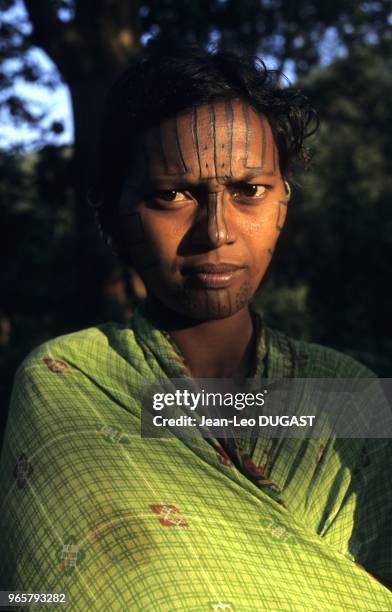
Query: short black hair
[(164, 83)]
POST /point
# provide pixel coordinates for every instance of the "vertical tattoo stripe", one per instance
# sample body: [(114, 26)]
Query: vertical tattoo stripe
[(225, 302), (195, 138), (213, 302), (258, 162), (222, 204), (179, 146), (263, 140), (274, 151), (213, 136), (229, 111), (246, 118), (229, 306), (214, 198)]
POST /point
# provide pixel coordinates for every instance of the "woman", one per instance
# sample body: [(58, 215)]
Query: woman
[(192, 191)]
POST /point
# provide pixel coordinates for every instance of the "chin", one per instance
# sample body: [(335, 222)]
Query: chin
[(203, 305)]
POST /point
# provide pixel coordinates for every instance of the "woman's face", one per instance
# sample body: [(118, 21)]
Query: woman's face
[(202, 208)]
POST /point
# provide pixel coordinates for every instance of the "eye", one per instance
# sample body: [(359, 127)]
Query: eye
[(250, 190), (171, 195)]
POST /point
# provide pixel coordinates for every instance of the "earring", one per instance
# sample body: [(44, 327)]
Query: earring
[(91, 200), (287, 189)]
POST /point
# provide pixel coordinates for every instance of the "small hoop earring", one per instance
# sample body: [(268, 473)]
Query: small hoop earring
[(93, 202), (287, 189)]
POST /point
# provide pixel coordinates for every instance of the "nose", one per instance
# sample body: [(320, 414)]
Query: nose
[(214, 226)]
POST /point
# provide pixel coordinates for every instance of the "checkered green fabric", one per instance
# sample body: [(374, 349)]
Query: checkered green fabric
[(124, 523)]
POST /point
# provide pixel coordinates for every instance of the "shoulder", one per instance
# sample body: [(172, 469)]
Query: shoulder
[(72, 375), (326, 361), (84, 350), (312, 360), (90, 340)]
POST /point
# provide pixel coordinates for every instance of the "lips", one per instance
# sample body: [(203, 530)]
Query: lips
[(212, 276)]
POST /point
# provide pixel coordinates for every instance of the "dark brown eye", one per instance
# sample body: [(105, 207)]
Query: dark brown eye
[(171, 195), (249, 190)]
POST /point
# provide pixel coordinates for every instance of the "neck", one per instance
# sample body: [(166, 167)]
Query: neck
[(219, 348)]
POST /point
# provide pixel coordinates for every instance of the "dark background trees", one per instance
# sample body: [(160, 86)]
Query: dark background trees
[(330, 278)]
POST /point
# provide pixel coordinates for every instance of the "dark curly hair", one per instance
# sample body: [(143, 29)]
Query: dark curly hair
[(162, 84)]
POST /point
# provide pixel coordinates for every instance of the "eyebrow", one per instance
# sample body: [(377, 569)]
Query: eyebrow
[(183, 182)]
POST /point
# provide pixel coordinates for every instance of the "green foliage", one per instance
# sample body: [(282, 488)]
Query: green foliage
[(337, 244), (88, 41), (37, 234)]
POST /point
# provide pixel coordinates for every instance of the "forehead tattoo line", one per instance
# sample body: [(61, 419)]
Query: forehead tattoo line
[(209, 146), (223, 144), (195, 138), (245, 111), (213, 135), (179, 146), (222, 150), (263, 145), (213, 155), (274, 157), (229, 114)]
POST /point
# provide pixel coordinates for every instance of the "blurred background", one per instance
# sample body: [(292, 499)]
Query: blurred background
[(330, 279)]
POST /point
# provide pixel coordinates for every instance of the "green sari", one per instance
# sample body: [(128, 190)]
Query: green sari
[(124, 523)]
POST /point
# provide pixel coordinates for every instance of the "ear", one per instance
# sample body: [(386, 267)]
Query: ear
[(287, 190), (136, 284)]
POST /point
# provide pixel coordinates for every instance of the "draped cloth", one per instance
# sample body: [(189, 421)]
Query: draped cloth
[(121, 522)]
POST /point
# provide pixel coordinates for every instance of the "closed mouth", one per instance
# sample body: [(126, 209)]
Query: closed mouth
[(209, 268), (211, 276)]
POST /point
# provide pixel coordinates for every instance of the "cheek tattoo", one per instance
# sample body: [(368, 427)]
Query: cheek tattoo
[(243, 296)]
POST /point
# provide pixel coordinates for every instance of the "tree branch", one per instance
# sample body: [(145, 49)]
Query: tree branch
[(49, 32), (101, 38)]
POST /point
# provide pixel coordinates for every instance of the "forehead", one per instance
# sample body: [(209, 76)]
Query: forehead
[(224, 138)]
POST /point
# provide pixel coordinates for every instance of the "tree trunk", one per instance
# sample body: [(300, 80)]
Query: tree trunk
[(88, 99), (90, 52)]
